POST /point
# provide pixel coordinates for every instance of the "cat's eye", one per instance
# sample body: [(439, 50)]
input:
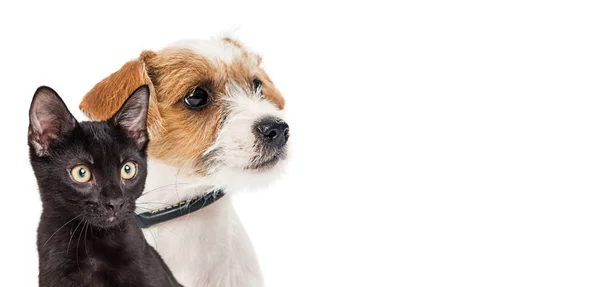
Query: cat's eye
[(81, 173), (128, 170)]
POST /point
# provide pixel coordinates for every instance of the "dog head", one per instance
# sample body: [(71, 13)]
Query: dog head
[(214, 113)]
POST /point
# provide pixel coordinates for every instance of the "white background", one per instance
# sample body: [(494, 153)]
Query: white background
[(435, 143)]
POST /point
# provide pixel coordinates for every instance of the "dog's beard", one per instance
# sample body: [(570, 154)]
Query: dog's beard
[(237, 156), (228, 177), (267, 158)]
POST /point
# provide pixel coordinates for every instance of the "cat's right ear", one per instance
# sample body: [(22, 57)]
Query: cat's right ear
[(49, 118), (133, 115)]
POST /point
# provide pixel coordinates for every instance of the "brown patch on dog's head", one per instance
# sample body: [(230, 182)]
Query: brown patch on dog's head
[(269, 90), (187, 132), (106, 97), (247, 68), (234, 43)]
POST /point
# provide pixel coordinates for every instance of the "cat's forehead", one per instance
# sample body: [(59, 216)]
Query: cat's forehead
[(105, 142), (103, 139), (100, 132)]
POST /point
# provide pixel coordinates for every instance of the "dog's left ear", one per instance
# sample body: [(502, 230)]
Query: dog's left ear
[(107, 96)]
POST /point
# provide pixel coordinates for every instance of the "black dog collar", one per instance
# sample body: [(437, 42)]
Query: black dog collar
[(150, 218)]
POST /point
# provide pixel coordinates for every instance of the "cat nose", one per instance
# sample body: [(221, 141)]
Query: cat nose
[(115, 204)]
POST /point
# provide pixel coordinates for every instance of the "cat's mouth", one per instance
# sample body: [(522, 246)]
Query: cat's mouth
[(108, 215), (108, 219), (106, 222)]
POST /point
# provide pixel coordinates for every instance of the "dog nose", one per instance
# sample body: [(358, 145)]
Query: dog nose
[(115, 204), (273, 131)]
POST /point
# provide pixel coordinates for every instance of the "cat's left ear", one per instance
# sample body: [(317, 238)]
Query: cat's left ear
[(131, 118), (49, 118)]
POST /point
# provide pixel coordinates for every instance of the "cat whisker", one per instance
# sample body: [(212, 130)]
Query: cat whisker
[(144, 208), (152, 203), (73, 233), (162, 225), (188, 220), (187, 204), (176, 186), (77, 250), (87, 225), (140, 209), (149, 230), (44, 245), (161, 187)]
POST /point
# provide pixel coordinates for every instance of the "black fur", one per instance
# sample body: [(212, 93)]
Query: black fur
[(82, 241)]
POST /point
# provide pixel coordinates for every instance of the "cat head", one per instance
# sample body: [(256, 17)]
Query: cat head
[(91, 170)]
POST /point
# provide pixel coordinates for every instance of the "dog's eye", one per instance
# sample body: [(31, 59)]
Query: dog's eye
[(257, 84), (197, 99)]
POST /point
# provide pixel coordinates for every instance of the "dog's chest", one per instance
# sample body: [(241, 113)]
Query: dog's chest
[(208, 247)]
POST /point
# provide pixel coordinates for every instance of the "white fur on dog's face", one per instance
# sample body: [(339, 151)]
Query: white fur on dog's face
[(236, 158), (237, 153), (214, 49)]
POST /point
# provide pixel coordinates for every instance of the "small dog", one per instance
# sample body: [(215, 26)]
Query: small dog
[(216, 125)]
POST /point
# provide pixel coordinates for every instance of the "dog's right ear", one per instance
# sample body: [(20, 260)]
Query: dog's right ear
[(107, 96)]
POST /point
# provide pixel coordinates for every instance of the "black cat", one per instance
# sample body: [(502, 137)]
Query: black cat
[(89, 175)]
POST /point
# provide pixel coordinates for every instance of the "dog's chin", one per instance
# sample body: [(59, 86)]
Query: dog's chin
[(265, 163), (255, 175)]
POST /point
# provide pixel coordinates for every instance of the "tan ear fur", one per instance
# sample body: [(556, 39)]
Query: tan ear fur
[(107, 96)]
